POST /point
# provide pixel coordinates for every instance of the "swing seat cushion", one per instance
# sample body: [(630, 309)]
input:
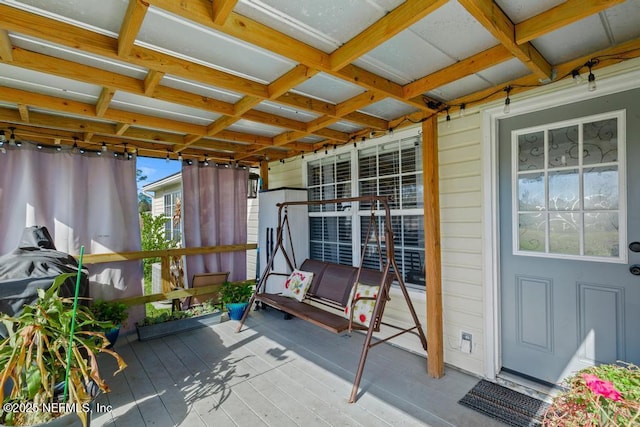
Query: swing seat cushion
[(297, 284)]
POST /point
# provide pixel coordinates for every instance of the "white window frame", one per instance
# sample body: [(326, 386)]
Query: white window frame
[(622, 187), (175, 195)]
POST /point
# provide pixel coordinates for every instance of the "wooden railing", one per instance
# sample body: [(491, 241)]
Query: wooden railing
[(165, 256)]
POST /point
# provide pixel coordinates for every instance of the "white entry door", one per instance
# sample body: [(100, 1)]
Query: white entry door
[(569, 186)]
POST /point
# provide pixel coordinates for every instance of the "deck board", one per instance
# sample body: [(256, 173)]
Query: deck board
[(277, 372)]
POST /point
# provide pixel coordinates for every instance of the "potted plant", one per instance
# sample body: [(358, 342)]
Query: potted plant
[(113, 312), (235, 297), (42, 362), (604, 395)]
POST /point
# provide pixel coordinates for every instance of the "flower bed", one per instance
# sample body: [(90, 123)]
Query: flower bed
[(605, 395), (178, 321)]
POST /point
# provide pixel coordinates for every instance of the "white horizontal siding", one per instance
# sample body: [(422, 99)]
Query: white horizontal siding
[(461, 240)]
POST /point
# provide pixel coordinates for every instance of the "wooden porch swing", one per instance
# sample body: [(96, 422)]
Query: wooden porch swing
[(332, 292)]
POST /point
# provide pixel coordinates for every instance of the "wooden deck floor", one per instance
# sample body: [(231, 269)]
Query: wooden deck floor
[(276, 373)]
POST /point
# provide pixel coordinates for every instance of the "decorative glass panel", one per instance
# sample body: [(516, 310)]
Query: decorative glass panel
[(531, 151), (600, 142), (601, 188), (564, 233), (532, 231), (568, 199), (601, 234), (564, 191), (531, 192), (564, 147)]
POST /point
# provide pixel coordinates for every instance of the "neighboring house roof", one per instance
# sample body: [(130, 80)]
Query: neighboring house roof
[(163, 182)]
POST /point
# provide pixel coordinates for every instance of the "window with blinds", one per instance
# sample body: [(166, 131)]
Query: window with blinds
[(338, 230), (394, 169), (330, 225)]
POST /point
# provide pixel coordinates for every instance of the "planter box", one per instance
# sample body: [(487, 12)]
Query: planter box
[(158, 330)]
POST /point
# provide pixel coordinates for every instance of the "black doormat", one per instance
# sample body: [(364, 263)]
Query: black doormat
[(510, 407)]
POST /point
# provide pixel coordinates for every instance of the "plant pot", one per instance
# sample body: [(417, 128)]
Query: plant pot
[(236, 310), (148, 332), (112, 335)]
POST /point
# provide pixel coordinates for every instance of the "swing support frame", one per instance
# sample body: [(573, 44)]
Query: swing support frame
[(388, 268)]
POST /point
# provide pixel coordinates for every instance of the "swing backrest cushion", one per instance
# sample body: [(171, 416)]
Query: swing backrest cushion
[(297, 284), (362, 308)]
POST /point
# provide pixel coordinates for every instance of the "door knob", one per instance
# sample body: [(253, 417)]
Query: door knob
[(635, 269), (634, 246)]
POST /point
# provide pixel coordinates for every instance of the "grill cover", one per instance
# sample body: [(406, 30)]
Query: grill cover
[(32, 266)]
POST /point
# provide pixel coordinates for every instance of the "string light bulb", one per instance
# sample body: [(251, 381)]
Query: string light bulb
[(12, 136), (3, 138), (463, 108), (180, 157), (168, 159), (507, 101), (448, 118), (390, 132), (577, 78), (104, 147), (591, 78)]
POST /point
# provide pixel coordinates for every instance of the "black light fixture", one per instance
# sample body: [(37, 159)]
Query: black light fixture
[(507, 101), (592, 77), (12, 136), (253, 182)]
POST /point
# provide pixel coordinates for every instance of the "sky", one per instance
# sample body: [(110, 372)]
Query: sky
[(155, 169)]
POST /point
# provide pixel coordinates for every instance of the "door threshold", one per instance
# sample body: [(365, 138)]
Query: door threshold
[(527, 386)]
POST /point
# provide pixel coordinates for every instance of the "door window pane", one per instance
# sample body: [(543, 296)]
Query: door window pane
[(532, 232), (564, 191), (564, 233), (531, 151), (564, 147), (601, 188), (601, 234), (568, 188), (600, 142)]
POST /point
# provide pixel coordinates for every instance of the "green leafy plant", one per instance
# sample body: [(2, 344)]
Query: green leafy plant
[(33, 358), (109, 311), (605, 395), (235, 292)]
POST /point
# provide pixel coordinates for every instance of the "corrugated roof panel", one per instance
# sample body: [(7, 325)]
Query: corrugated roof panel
[(325, 25), (47, 84), (104, 16), (201, 89), (388, 109), (77, 56), (520, 10), (286, 111), (327, 88), (153, 107), (167, 33), (255, 128)]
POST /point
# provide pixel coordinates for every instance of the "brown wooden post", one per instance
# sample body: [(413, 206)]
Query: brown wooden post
[(165, 273), (433, 266), (264, 175)]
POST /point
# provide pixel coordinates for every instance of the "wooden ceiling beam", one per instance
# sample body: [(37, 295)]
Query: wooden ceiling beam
[(151, 81), (259, 34), (298, 74), (99, 44), (23, 109), (222, 9), (399, 19), (562, 15), (88, 110), (106, 95), (494, 20), (136, 11), (121, 128), (6, 46), (480, 61)]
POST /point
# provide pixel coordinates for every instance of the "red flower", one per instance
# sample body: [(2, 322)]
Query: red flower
[(363, 318), (286, 284), (602, 387), (357, 295)]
